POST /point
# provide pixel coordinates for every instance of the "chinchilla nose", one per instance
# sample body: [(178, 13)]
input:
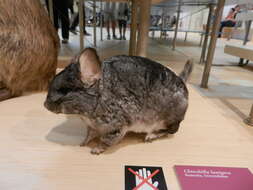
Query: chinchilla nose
[(46, 104), (50, 105)]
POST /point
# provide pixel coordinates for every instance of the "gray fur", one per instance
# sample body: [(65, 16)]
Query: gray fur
[(133, 94)]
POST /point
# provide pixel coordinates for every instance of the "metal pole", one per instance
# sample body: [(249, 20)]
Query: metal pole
[(81, 26), (133, 32), (153, 33), (163, 25), (176, 29), (248, 26), (249, 120), (142, 42), (185, 38), (51, 10), (212, 46), (94, 24), (208, 25), (201, 40), (189, 27), (101, 20)]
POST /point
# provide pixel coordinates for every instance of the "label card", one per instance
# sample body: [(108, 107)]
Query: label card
[(210, 178), (144, 178)]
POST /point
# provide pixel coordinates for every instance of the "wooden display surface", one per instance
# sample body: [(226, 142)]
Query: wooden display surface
[(39, 150), (240, 51)]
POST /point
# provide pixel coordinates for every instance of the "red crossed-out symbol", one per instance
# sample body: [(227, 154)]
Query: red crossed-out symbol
[(144, 180)]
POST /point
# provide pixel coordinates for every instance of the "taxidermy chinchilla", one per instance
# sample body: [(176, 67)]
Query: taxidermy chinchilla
[(28, 47), (122, 94)]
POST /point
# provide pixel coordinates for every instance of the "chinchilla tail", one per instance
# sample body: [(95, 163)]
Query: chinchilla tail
[(187, 70)]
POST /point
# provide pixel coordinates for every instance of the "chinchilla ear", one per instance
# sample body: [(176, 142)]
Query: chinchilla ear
[(90, 66), (75, 59)]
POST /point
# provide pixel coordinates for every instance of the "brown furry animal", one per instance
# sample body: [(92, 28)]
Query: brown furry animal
[(28, 47)]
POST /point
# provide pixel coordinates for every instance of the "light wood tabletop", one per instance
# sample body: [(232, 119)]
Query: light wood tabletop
[(40, 150)]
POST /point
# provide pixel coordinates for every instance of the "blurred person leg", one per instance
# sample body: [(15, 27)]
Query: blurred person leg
[(75, 23), (113, 22), (62, 7), (225, 24), (55, 12), (120, 29), (124, 24), (107, 25)]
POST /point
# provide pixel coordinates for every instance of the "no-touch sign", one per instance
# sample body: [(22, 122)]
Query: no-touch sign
[(144, 178)]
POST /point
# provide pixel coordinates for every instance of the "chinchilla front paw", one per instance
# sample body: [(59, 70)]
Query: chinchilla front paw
[(98, 150), (149, 138)]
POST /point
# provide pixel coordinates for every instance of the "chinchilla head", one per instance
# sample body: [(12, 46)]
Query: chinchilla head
[(75, 90)]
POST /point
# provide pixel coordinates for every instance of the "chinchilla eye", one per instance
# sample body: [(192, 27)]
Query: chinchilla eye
[(64, 90)]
